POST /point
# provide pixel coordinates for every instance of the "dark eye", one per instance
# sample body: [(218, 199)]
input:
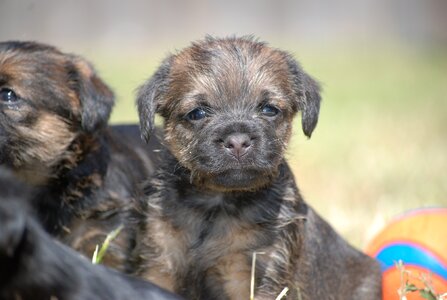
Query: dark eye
[(8, 95), (269, 110), (196, 114)]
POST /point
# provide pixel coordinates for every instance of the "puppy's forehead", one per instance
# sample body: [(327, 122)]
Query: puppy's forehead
[(231, 71), (31, 69), (17, 62)]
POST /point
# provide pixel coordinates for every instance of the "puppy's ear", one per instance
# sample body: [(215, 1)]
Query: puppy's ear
[(95, 96), (307, 91), (149, 97)]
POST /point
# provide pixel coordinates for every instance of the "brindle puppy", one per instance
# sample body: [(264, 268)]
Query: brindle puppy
[(53, 134), (225, 191)]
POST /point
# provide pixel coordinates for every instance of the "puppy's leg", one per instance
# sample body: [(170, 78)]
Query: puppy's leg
[(12, 234), (34, 266)]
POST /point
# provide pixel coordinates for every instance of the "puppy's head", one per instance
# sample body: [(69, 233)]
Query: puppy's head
[(47, 98), (228, 106)]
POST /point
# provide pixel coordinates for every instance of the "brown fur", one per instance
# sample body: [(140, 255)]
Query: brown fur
[(209, 208), (54, 135), (36, 267)]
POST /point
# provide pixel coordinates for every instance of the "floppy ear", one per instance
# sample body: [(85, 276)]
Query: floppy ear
[(95, 96), (307, 91), (149, 96)]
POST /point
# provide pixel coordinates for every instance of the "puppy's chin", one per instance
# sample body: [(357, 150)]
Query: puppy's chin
[(236, 180)]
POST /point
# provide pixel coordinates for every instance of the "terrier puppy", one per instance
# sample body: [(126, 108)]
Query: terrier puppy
[(53, 134), (36, 267), (225, 192)]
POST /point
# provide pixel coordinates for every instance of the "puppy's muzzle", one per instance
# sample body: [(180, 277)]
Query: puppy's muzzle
[(237, 154)]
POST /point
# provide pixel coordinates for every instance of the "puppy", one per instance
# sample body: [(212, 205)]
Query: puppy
[(53, 135), (224, 190), (36, 267)]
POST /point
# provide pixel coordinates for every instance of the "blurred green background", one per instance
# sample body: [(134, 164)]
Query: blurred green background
[(381, 144)]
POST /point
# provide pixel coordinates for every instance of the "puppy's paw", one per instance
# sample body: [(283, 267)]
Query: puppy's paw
[(12, 237)]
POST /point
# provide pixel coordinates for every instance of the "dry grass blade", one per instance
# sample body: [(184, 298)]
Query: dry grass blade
[(282, 294), (252, 279)]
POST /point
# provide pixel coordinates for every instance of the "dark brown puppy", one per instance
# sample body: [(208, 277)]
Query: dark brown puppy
[(53, 135), (225, 191)]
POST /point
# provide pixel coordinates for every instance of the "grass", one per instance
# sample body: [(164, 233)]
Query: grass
[(380, 147), (381, 143), (99, 253)]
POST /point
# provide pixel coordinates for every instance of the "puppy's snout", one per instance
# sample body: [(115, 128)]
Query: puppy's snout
[(237, 144)]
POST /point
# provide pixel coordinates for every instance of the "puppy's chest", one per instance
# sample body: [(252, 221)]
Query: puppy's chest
[(205, 257)]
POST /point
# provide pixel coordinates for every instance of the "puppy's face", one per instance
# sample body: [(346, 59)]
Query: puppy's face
[(228, 106), (47, 98)]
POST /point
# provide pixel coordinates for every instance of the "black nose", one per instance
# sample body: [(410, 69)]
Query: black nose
[(237, 144)]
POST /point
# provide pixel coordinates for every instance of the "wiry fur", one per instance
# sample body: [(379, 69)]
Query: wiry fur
[(208, 210), (54, 136), (35, 267)]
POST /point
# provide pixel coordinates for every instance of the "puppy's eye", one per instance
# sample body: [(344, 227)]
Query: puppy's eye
[(8, 95), (269, 110), (196, 114)]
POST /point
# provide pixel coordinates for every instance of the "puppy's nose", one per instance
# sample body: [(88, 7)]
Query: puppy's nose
[(237, 144)]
